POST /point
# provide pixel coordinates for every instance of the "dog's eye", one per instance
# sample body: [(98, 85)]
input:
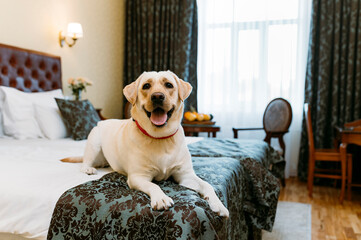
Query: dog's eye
[(146, 86), (168, 85)]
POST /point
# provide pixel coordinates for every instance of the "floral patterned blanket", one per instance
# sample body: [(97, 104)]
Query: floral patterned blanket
[(264, 168), (238, 170)]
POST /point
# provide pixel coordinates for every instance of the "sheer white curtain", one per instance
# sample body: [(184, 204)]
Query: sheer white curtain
[(251, 52)]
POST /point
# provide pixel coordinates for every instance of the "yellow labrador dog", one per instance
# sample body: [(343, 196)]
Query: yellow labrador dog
[(151, 145)]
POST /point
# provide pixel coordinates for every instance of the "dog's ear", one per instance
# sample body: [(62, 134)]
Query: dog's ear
[(131, 91), (184, 88)]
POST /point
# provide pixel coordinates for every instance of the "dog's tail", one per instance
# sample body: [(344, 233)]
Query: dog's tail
[(72, 159)]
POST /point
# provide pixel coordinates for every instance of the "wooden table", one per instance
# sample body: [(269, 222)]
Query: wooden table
[(348, 136), (194, 129)]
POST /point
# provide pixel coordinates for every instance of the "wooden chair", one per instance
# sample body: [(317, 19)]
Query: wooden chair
[(330, 155), (277, 119)]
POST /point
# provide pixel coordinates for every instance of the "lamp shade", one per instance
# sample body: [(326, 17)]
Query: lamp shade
[(75, 30)]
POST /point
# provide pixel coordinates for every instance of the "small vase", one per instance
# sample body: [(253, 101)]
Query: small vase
[(77, 95)]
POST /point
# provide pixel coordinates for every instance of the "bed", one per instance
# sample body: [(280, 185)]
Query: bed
[(42, 197)]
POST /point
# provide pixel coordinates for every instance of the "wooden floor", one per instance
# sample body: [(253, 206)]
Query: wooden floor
[(330, 220)]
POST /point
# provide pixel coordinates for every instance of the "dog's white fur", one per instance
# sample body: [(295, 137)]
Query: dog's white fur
[(141, 158)]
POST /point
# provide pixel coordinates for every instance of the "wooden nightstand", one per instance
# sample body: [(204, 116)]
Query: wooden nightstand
[(99, 113), (194, 129)]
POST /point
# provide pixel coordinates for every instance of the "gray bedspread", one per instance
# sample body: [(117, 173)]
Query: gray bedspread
[(238, 170)]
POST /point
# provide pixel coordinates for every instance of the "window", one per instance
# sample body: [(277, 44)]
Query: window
[(250, 52)]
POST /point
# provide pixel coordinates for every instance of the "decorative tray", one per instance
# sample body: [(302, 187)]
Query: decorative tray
[(198, 122)]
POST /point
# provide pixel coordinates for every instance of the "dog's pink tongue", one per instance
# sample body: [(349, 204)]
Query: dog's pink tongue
[(158, 117)]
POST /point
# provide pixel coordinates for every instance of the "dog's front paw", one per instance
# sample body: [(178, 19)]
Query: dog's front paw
[(88, 170), (161, 202), (217, 207)]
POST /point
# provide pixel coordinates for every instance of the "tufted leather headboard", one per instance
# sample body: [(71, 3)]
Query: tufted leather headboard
[(28, 70)]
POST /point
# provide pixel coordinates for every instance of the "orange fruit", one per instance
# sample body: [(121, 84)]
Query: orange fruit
[(190, 116), (200, 117), (207, 117)]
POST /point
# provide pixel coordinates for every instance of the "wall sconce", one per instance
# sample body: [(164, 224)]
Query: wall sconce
[(75, 31)]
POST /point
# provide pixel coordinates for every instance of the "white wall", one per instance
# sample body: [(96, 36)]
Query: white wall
[(35, 24)]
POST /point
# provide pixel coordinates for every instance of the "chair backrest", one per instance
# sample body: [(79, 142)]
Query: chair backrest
[(278, 116), (311, 145)]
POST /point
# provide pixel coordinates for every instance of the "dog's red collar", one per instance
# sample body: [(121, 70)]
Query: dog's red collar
[(147, 134)]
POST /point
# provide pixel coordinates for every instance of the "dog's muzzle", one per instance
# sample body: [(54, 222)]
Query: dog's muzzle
[(157, 99), (158, 116)]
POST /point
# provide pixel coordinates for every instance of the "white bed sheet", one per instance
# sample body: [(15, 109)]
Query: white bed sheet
[(32, 179)]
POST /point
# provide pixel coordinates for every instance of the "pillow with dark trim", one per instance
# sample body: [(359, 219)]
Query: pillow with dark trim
[(79, 117)]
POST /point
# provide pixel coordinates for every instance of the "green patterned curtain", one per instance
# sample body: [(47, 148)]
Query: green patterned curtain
[(162, 35), (333, 78)]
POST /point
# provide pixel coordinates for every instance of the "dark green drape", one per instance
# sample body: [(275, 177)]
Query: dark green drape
[(333, 78), (162, 35)]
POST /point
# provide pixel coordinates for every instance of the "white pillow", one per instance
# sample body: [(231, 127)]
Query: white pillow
[(18, 111), (50, 121)]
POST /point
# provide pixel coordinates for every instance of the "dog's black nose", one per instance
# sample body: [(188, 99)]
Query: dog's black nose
[(158, 97)]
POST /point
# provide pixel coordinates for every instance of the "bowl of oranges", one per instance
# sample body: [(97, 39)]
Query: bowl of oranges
[(193, 117)]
